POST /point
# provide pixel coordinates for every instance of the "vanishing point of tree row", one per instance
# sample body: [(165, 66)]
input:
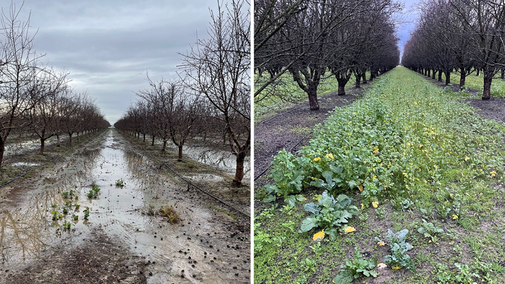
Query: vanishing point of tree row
[(210, 100), (34, 98)]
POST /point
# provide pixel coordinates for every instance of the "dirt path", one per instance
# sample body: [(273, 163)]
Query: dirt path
[(118, 242), (290, 130)]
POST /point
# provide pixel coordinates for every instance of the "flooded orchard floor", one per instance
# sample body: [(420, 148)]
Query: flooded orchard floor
[(118, 242)]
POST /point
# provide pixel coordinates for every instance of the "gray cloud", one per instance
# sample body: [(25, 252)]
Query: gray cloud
[(108, 46)]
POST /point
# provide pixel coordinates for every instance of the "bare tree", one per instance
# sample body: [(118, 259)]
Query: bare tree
[(219, 68), (45, 115), (18, 69)]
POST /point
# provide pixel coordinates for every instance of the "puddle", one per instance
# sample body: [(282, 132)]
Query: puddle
[(27, 226), (23, 164), (208, 177), (223, 160)]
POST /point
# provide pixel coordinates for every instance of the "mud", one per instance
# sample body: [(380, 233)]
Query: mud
[(119, 242)]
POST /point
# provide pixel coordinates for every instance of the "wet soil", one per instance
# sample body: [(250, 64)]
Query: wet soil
[(290, 130), (118, 242)]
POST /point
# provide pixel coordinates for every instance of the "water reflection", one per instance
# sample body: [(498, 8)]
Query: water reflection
[(25, 221)]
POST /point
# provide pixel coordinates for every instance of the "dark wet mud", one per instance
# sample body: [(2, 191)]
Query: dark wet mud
[(46, 236)]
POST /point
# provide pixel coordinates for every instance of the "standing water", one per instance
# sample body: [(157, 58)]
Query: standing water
[(53, 209)]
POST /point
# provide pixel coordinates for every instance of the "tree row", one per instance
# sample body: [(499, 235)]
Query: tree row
[(33, 97), (211, 97), (459, 35), (312, 39)]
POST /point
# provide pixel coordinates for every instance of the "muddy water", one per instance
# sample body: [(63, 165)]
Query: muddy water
[(205, 247)]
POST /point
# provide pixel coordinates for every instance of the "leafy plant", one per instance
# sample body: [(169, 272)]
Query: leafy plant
[(429, 230), (67, 225), (93, 193), (355, 268), (65, 195), (288, 174), (329, 214), (75, 217), (119, 183), (465, 274), (398, 247), (56, 215), (86, 213)]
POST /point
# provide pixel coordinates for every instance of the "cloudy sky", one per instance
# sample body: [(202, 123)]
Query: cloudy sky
[(108, 45), (407, 21)]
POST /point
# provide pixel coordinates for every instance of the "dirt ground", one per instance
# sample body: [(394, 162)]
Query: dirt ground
[(211, 243)]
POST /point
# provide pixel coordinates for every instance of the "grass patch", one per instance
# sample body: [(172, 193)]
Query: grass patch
[(477, 83), (224, 211), (412, 157), (286, 93)]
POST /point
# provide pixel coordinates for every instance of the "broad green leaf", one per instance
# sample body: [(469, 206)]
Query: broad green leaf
[(308, 224), (269, 198), (290, 200), (343, 277), (312, 208)]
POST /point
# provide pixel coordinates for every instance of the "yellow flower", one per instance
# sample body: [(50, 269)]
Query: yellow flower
[(467, 158), (375, 150), (318, 236), (316, 159), (318, 197), (362, 206), (381, 243), (360, 188), (454, 216), (493, 173), (375, 204), (396, 267), (330, 156), (348, 229)]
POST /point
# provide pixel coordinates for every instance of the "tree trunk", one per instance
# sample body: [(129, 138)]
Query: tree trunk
[(42, 143), (358, 81), (144, 137), (2, 151), (364, 78), (70, 138), (58, 140), (179, 158), (439, 75), (428, 72), (488, 78), (152, 143), (341, 86), (164, 145), (447, 77), (478, 72), (462, 78), (433, 74), (502, 75), (312, 92), (239, 170)]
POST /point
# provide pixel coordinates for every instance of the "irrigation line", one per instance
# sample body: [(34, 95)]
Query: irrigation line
[(200, 189), (189, 183)]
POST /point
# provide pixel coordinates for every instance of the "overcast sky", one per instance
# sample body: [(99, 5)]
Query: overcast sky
[(108, 45), (407, 21)]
